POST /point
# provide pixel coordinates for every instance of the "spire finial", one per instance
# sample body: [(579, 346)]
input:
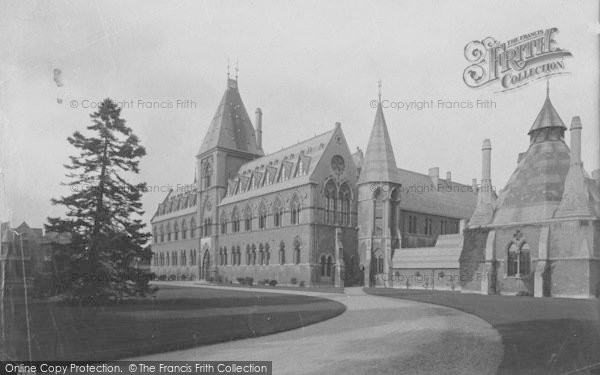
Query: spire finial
[(379, 85), (228, 68), (547, 87), (236, 70)]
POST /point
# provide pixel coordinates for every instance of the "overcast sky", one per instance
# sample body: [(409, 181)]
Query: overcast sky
[(306, 64)]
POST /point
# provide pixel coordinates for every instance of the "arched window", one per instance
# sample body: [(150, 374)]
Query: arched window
[(183, 257), (223, 223), (168, 257), (174, 258), (248, 218), (295, 210), (207, 174), (330, 202), (262, 217), (183, 229), (248, 255), (176, 231), (253, 254), (267, 255), (323, 265), (277, 213), (329, 265), (345, 196), (519, 259), (162, 259), (239, 256), (168, 231), (162, 233), (225, 256), (155, 234), (282, 253), (297, 251), (192, 228), (261, 254), (235, 220)]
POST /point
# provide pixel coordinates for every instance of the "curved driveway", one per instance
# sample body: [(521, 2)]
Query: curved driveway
[(374, 335)]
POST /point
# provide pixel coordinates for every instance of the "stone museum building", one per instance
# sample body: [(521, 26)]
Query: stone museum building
[(311, 214), (541, 235)]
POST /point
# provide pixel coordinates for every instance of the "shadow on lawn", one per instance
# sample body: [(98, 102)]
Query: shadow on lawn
[(68, 332), (539, 335)]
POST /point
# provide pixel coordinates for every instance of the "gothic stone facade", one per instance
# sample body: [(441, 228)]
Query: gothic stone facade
[(311, 214), (541, 235)]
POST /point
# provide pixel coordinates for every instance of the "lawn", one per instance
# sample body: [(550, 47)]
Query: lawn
[(176, 318), (539, 335)]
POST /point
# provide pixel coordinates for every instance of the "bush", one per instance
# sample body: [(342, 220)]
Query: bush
[(210, 279), (249, 281), (273, 283), (293, 281), (241, 280), (302, 284), (523, 293), (162, 277)]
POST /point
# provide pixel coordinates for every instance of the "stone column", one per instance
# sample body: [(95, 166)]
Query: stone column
[(339, 259)]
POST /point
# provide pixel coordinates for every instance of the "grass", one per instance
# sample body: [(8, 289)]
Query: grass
[(539, 335), (320, 289), (176, 318)]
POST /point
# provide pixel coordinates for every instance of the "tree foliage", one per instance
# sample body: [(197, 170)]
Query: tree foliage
[(103, 211)]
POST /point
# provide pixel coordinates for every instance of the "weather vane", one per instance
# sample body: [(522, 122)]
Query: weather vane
[(379, 84)]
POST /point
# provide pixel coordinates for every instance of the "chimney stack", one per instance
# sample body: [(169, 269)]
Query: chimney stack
[(258, 114), (448, 176), (486, 168), (434, 174), (576, 141)]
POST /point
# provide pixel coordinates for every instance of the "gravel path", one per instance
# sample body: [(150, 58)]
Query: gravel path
[(375, 335)]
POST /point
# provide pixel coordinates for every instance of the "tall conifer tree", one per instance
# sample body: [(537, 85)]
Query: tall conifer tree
[(103, 212)]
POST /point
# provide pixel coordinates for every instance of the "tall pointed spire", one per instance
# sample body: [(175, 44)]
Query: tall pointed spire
[(379, 164), (231, 127), (547, 118)]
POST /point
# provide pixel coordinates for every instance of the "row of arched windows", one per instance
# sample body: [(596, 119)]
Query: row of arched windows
[(178, 230), (256, 256), (278, 214), (337, 203), (326, 265), (175, 258)]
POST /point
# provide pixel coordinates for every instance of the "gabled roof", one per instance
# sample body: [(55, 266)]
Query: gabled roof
[(231, 127), (450, 199), (379, 163), (547, 118), (308, 151), (445, 254)]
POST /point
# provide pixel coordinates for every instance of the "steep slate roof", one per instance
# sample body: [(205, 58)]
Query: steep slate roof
[(379, 163), (231, 127), (445, 254), (419, 194), (547, 118), (535, 189), (312, 149)]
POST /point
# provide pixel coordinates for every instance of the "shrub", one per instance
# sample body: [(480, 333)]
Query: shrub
[(210, 279), (293, 281), (523, 293), (241, 280), (249, 281), (302, 284), (273, 282)]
